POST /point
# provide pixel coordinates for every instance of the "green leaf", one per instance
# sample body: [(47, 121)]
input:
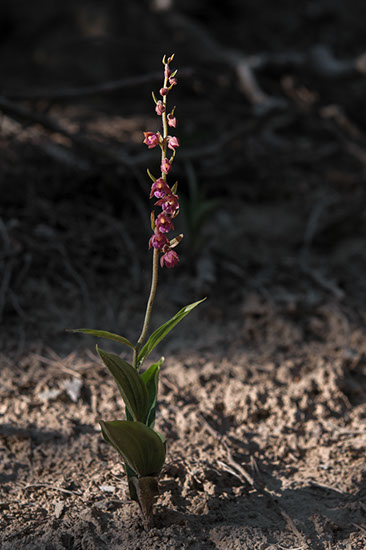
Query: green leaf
[(162, 331), (104, 334), (151, 380), (153, 178), (130, 384), (140, 447)]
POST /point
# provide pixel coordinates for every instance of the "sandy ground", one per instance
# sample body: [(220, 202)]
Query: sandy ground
[(265, 442)]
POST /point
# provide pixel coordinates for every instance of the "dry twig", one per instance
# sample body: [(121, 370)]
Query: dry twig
[(93, 90), (49, 486)]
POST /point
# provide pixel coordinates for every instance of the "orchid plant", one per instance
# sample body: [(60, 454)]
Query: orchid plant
[(142, 448)]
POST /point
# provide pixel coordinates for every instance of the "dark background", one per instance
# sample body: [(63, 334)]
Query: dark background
[(272, 186)]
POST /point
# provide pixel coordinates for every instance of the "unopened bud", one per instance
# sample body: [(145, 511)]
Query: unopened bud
[(172, 121), (166, 165), (160, 109), (173, 142), (174, 242)]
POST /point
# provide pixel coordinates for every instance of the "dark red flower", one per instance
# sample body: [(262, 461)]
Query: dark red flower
[(160, 188), (169, 204), (158, 240), (163, 223), (151, 139), (169, 259)]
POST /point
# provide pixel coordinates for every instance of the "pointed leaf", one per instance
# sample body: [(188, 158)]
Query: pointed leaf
[(153, 178), (162, 331), (130, 384), (151, 380), (140, 447), (104, 334), (129, 472)]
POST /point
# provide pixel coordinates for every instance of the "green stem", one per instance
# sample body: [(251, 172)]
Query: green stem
[(154, 284)]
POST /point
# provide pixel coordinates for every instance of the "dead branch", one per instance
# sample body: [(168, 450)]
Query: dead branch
[(23, 114), (235, 59), (346, 131), (64, 156), (320, 60), (55, 488), (87, 91), (322, 281)]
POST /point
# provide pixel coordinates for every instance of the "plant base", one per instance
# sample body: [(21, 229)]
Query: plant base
[(144, 490)]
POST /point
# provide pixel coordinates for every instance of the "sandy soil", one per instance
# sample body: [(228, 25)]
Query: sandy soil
[(265, 443)]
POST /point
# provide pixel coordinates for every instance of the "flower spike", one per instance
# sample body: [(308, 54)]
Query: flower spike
[(167, 197)]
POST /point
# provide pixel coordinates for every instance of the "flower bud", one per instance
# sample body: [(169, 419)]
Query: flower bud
[(167, 71), (173, 142), (174, 242), (160, 109), (173, 81), (172, 121), (166, 166), (164, 91)]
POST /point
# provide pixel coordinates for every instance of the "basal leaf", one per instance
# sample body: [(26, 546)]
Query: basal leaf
[(104, 334), (151, 380), (162, 331), (130, 384), (140, 447)]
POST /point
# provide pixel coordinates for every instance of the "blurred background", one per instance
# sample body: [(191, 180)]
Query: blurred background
[(271, 169)]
